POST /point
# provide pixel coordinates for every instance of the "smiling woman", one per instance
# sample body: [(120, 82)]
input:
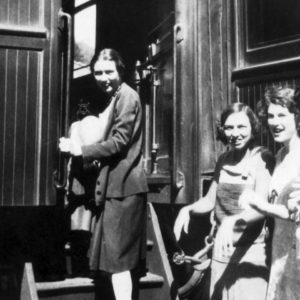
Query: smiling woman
[(238, 269), (237, 129), (281, 123), (279, 110), (281, 107), (241, 116), (118, 243), (106, 75)]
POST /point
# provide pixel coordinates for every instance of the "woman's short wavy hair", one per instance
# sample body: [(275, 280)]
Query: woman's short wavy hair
[(235, 108), (284, 96), (109, 54)]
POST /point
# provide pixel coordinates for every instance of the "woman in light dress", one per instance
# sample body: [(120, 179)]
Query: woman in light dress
[(281, 108)]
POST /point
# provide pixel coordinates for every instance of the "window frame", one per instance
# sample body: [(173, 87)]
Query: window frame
[(84, 70), (271, 52)]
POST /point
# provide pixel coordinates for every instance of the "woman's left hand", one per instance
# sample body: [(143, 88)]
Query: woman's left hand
[(224, 237), (249, 199)]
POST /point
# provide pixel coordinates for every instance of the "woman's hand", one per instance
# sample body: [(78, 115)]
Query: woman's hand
[(70, 146), (293, 203), (224, 237), (249, 199), (182, 221), (64, 145)]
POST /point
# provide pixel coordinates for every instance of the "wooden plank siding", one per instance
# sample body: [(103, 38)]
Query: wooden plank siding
[(29, 101), (254, 68), (203, 90)]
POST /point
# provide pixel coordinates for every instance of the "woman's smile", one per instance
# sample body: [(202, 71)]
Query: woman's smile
[(238, 130), (281, 123), (107, 76)]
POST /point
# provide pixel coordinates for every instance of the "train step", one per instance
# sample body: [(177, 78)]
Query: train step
[(152, 286), (149, 280), (71, 288)]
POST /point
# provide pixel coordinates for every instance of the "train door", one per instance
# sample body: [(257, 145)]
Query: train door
[(32, 87), (30, 98)]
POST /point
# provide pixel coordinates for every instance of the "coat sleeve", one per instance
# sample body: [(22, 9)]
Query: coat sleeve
[(125, 114)]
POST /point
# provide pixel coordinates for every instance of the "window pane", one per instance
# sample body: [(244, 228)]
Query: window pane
[(272, 21), (84, 39)]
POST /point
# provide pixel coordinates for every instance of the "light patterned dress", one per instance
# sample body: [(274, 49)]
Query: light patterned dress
[(284, 282)]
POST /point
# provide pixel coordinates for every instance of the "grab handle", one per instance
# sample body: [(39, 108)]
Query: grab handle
[(60, 175), (178, 176)]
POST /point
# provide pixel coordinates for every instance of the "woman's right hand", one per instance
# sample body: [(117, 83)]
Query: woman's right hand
[(224, 237), (182, 221), (71, 146), (64, 144)]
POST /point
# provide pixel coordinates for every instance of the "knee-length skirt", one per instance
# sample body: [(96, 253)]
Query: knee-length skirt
[(119, 235)]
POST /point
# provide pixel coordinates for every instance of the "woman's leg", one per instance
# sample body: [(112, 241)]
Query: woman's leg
[(122, 285)]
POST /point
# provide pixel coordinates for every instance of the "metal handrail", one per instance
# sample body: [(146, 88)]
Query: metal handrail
[(60, 175), (178, 177)]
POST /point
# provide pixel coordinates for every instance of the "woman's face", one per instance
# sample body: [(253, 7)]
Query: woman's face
[(238, 130), (281, 123), (107, 76)]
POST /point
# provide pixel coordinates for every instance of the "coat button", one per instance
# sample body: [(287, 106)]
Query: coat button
[(96, 163), (98, 193), (98, 182)]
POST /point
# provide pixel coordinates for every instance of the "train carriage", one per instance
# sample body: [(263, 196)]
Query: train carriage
[(187, 60)]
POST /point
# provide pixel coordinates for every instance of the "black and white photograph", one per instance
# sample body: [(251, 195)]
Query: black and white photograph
[(149, 150)]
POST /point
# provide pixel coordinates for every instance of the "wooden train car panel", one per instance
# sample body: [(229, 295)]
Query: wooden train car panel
[(29, 101)]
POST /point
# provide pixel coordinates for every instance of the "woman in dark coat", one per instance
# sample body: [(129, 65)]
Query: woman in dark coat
[(118, 242)]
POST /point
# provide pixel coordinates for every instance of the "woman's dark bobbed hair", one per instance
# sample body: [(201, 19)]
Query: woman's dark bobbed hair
[(235, 108), (109, 54)]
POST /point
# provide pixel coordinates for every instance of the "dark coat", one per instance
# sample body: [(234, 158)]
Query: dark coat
[(121, 151)]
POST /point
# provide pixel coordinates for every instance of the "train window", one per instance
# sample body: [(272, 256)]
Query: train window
[(272, 21), (84, 36), (266, 31)]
